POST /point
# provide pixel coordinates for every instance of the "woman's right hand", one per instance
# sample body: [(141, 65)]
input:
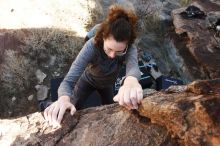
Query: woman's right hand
[(54, 113)]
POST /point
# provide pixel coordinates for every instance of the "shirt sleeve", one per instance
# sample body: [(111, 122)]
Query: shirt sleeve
[(77, 68), (132, 68), (92, 32)]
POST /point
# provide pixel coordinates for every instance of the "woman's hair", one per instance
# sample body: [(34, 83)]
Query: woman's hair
[(120, 23)]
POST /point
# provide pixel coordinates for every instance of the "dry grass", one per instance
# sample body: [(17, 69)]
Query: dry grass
[(42, 43), (148, 17), (17, 72)]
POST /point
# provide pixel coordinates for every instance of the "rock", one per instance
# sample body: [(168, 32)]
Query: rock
[(155, 26), (42, 92), (192, 117), (212, 18), (52, 60), (182, 115), (13, 98), (155, 13), (167, 7), (202, 59), (40, 76), (30, 97), (186, 116), (148, 91), (56, 74)]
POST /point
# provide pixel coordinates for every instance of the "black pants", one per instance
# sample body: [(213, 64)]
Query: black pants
[(83, 91), (87, 94)]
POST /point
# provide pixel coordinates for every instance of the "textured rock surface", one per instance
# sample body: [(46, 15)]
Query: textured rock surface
[(182, 115), (190, 113), (202, 51)]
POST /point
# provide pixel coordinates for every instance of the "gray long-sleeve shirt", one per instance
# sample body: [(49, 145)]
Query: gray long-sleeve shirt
[(97, 68)]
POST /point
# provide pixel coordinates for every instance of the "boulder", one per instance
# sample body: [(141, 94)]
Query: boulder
[(202, 48), (182, 115)]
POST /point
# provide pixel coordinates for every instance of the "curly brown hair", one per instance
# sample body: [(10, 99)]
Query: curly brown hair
[(120, 23)]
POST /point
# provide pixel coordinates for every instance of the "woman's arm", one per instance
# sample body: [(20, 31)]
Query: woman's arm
[(130, 93), (132, 68), (54, 113), (77, 68)]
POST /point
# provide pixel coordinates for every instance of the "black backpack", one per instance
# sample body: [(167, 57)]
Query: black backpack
[(193, 12)]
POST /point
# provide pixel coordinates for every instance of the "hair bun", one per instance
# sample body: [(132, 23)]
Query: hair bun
[(122, 16), (117, 11)]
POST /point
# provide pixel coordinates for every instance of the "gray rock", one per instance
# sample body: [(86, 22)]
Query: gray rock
[(52, 60), (56, 74), (40, 76), (30, 97), (212, 18), (13, 98), (42, 92)]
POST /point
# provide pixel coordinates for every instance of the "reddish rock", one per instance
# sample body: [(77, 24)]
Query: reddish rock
[(204, 48), (182, 115), (190, 113)]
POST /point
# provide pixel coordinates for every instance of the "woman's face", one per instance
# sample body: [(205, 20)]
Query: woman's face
[(112, 48)]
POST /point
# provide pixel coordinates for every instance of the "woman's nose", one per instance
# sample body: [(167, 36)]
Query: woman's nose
[(112, 54)]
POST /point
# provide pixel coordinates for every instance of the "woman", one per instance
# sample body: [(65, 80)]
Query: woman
[(97, 65)]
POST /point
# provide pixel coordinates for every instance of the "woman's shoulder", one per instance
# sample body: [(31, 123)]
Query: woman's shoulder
[(90, 45), (93, 31), (132, 48)]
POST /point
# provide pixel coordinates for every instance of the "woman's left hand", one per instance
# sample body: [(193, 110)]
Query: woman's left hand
[(130, 94)]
